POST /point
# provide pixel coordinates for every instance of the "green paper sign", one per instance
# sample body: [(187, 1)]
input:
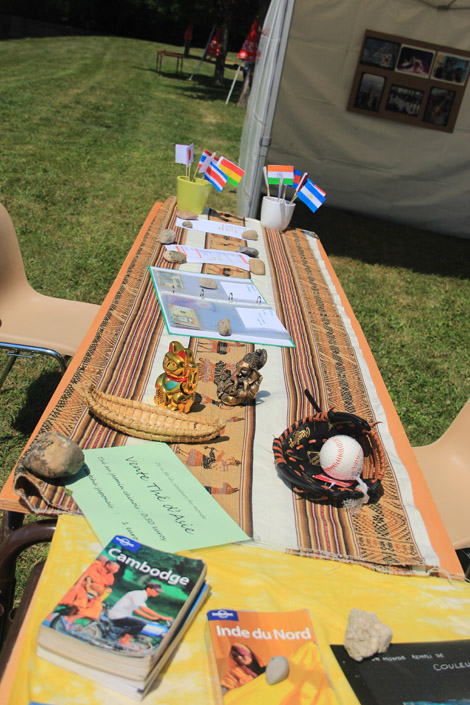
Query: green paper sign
[(145, 492)]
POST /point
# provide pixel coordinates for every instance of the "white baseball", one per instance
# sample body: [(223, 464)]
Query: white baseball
[(342, 458)]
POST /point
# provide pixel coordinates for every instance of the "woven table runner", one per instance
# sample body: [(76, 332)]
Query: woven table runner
[(238, 469)]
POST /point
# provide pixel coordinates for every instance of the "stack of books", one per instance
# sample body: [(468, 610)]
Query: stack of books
[(119, 624)]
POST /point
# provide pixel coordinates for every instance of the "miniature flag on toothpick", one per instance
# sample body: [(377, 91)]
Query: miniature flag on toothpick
[(184, 154), (311, 195), (205, 160), (299, 181), (278, 171), (232, 171), (215, 176)]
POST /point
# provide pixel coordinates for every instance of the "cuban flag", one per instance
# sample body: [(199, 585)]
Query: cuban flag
[(206, 159), (312, 195), (184, 154), (215, 176)]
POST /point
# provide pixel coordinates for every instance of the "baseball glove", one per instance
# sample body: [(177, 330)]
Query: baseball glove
[(297, 456)]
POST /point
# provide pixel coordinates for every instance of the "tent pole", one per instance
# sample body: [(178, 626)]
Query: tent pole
[(203, 54), (233, 84)]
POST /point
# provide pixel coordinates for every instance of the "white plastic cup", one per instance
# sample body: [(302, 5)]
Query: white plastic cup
[(276, 213)]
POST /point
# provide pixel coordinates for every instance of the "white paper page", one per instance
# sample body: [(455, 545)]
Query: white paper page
[(214, 227), (241, 292), (222, 257), (263, 318)]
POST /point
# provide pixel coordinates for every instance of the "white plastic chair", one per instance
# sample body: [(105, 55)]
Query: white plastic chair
[(446, 468), (30, 322)]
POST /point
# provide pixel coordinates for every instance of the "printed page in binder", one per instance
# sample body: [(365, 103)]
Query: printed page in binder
[(191, 309)]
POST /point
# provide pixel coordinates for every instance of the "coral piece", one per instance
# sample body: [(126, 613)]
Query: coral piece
[(154, 423), (176, 386), (53, 455), (366, 635), (243, 385)]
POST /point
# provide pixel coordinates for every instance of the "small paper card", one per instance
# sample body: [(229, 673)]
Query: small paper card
[(145, 492), (260, 318)]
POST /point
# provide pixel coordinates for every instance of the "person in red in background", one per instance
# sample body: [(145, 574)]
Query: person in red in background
[(188, 35)]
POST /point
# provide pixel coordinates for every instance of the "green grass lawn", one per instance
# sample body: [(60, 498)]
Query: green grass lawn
[(87, 145)]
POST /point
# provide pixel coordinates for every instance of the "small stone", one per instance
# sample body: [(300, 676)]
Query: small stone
[(224, 326), (53, 455), (207, 283), (174, 256), (366, 635), (257, 266), (249, 251), (277, 670), (250, 235), (186, 215), (187, 224), (167, 236)]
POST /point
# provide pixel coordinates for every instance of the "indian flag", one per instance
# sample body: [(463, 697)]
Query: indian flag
[(278, 172), (312, 195), (232, 171)]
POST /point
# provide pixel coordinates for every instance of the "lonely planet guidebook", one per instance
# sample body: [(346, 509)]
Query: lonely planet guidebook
[(118, 621)]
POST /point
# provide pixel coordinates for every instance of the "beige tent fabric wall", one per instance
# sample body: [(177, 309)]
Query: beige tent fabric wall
[(383, 168)]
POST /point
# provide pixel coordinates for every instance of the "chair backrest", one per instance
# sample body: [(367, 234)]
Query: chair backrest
[(12, 272), (446, 467)]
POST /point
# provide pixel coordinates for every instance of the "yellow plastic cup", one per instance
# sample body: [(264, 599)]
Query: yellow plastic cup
[(192, 195)]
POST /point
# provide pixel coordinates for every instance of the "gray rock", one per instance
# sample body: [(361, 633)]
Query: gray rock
[(174, 256), (186, 215), (187, 224), (53, 455), (366, 635), (207, 283), (250, 235), (277, 670), (224, 326), (249, 251), (167, 236)]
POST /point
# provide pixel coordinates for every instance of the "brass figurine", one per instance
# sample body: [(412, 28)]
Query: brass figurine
[(244, 384), (176, 386)]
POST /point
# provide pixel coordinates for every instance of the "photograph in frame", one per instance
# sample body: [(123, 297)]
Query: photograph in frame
[(369, 92), (415, 61), (439, 106), (404, 100), (450, 68), (380, 52)]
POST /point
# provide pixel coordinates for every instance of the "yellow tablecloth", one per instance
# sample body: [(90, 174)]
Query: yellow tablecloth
[(241, 577)]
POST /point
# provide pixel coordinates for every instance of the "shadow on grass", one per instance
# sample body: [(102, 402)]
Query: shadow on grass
[(37, 398), (203, 88), (376, 241)]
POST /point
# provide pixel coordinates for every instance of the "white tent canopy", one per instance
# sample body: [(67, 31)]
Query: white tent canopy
[(297, 114)]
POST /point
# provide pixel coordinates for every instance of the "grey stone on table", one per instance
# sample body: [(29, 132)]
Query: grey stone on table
[(53, 455)]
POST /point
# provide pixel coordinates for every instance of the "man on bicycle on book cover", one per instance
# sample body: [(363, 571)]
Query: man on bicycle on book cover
[(134, 602)]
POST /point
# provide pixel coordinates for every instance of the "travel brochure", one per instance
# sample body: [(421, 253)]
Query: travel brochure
[(190, 308)]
